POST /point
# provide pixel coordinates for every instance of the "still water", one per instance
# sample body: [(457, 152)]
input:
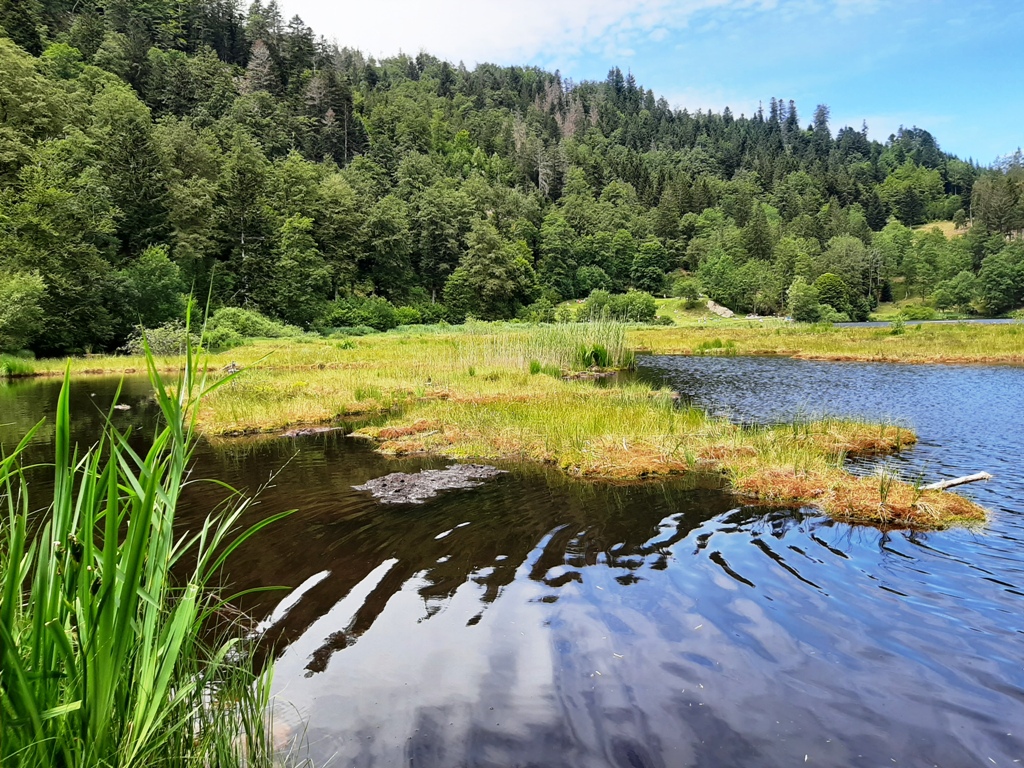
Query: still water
[(541, 621)]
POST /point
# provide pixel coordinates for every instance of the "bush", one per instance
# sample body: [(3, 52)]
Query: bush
[(686, 288), (167, 339), (635, 307), (373, 311), (408, 316), (541, 311), (249, 324), (802, 301), (827, 314), (222, 338), (919, 312)]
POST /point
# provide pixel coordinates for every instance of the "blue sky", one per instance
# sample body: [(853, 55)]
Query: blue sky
[(954, 68)]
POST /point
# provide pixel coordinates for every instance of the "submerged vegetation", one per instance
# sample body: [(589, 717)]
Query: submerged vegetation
[(114, 646)]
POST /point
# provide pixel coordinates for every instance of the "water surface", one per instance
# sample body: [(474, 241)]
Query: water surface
[(541, 621)]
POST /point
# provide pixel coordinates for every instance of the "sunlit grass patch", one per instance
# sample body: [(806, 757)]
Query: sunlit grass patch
[(954, 343)]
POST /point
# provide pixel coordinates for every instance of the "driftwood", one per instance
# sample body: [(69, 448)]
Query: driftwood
[(958, 481)]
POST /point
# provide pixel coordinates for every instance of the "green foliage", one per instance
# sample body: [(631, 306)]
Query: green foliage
[(153, 288), (107, 658), (301, 276), (169, 339), (541, 311), (802, 302), (372, 312), (919, 312), (686, 288), (282, 175), (1001, 280), (833, 291), (249, 324), (21, 313), (633, 307), (494, 279)]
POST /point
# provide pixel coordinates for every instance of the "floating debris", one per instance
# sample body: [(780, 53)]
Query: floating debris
[(403, 488)]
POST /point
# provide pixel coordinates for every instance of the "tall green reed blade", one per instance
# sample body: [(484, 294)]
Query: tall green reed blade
[(105, 656)]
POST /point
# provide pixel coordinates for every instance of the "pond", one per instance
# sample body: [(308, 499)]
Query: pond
[(538, 620)]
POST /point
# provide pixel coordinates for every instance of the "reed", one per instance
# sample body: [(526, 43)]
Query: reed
[(13, 367), (105, 620)]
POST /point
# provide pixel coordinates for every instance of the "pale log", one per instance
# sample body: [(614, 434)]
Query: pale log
[(957, 481)]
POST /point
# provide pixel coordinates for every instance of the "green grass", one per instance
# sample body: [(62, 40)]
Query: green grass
[(105, 619), (11, 367), (954, 343)]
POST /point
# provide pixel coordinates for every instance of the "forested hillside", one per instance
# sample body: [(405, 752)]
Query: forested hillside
[(152, 148)]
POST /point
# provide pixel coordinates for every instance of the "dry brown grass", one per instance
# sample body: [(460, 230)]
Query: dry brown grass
[(866, 500)]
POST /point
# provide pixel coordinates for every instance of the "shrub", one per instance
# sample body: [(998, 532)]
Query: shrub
[(167, 339), (373, 311), (919, 312), (541, 311), (802, 301), (408, 316), (635, 306), (249, 324), (686, 288), (222, 338)]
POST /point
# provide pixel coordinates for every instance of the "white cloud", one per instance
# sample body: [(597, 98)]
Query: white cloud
[(505, 32)]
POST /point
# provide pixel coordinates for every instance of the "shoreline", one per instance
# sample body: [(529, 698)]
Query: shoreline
[(514, 393)]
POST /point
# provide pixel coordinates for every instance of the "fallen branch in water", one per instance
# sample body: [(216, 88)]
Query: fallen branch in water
[(958, 481)]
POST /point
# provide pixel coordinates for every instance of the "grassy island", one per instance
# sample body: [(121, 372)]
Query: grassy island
[(525, 392)]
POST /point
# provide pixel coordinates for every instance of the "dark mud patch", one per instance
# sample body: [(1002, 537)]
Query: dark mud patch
[(308, 431), (403, 488)]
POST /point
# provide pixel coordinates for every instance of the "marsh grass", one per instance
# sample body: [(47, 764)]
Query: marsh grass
[(13, 367), (106, 613), (956, 343), (479, 385)]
